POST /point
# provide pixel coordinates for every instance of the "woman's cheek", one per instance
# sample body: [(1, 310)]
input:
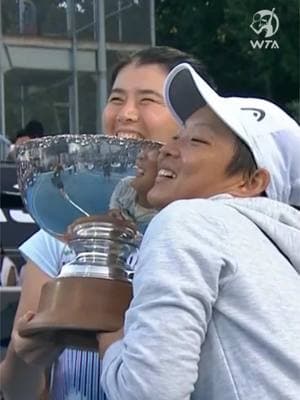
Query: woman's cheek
[(108, 122)]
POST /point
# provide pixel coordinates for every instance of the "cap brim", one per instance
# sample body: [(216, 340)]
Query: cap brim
[(185, 92)]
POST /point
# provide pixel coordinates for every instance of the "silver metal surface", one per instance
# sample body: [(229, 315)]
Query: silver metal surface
[(66, 177)]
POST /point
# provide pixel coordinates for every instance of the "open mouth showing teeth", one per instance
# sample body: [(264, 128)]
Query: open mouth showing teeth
[(129, 135), (166, 173), (140, 172)]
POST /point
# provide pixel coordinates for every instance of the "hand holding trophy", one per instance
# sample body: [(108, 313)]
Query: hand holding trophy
[(67, 183)]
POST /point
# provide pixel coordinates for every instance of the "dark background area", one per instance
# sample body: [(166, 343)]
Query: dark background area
[(219, 33)]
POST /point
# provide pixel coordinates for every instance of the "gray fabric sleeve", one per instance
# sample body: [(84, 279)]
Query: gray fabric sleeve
[(175, 286)]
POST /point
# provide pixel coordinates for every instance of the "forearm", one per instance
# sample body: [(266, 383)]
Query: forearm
[(20, 380)]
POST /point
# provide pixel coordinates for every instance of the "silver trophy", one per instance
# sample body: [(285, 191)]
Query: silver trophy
[(70, 185)]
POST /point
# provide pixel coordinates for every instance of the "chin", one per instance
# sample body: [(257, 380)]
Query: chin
[(156, 200)]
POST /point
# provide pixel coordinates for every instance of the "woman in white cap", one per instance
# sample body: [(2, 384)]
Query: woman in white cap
[(215, 313)]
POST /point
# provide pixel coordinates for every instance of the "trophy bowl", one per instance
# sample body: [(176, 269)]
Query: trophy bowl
[(78, 188)]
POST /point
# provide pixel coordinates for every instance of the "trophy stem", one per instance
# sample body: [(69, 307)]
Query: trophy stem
[(95, 286), (103, 248)]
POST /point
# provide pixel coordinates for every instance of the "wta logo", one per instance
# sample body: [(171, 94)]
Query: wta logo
[(265, 23)]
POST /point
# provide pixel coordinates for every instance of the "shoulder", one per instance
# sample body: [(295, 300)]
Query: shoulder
[(188, 220), (124, 185), (191, 233), (194, 210), (124, 194), (125, 182)]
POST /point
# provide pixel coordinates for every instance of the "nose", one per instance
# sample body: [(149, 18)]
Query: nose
[(141, 155), (170, 149), (128, 112)]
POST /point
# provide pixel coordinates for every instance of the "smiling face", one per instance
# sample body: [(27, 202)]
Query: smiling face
[(194, 164), (146, 173), (136, 107)]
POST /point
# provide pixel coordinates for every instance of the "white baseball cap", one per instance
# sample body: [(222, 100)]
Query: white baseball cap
[(271, 134)]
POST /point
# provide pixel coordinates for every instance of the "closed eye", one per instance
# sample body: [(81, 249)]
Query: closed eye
[(148, 100), (197, 140), (115, 99)]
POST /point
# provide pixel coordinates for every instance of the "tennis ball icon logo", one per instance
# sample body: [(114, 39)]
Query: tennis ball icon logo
[(265, 22)]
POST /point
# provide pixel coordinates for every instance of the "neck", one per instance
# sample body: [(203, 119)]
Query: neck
[(141, 199)]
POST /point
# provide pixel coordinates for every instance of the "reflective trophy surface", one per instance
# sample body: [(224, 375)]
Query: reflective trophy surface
[(67, 183)]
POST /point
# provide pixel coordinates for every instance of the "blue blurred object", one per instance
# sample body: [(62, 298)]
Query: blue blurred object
[(65, 177), (54, 212)]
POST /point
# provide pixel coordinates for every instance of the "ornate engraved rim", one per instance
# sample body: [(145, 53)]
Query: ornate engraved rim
[(83, 139), (29, 154)]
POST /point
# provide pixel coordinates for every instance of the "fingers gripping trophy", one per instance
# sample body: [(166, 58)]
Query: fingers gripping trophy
[(67, 183)]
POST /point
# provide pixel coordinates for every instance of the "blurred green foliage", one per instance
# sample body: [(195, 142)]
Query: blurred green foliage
[(219, 33)]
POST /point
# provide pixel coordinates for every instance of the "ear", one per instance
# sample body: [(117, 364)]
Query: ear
[(253, 185)]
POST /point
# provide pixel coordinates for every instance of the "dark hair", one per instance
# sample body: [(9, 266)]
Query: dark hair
[(167, 57), (242, 160), (34, 129), (20, 133)]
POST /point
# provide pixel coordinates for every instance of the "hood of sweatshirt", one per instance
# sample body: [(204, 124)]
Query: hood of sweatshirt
[(280, 222)]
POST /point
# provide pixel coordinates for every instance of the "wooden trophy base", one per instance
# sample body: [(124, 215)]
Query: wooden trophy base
[(72, 310)]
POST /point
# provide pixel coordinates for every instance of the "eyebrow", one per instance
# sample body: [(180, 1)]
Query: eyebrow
[(140, 91)]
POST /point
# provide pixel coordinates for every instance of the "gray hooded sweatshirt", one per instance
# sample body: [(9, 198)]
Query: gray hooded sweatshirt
[(216, 307)]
